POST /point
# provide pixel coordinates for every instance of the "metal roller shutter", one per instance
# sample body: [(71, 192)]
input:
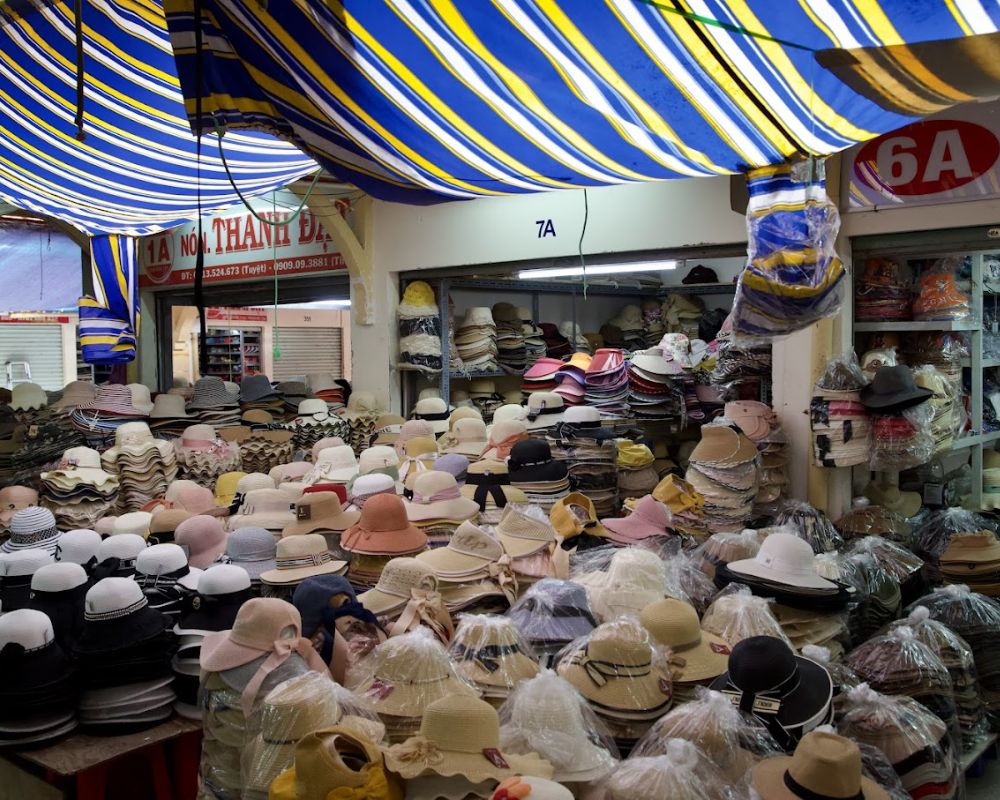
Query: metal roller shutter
[(305, 350), (39, 345)]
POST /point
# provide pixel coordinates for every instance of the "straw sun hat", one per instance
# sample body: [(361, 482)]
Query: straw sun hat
[(460, 735), (695, 654)]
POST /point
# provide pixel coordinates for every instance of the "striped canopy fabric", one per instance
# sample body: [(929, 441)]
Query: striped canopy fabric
[(421, 100), (135, 171)]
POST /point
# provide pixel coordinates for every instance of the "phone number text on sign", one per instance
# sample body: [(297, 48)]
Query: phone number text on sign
[(257, 270)]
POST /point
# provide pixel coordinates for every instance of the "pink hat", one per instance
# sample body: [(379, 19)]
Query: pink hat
[(263, 625), (204, 538), (411, 429), (544, 367), (649, 518), (190, 497)]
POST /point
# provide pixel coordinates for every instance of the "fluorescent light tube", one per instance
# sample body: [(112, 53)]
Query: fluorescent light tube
[(602, 269)]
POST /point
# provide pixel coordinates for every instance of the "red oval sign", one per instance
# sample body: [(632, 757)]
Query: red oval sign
[(927, 157)]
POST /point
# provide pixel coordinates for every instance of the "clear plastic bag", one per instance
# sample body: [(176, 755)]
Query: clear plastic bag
[(842, 374), (866, 519), (811, 524), (686, 581), (976, 618), (938, 296), (736, 615), (902, 441), (490, 653), (722, 548), (553, 613), (547, 716), (734, 742), (683, 772), (877, 595), (291, 710), (876, 358), (898, 663), (932, 536), (957, 657), (793, 275), (913, 739), (949, 416), (631, 580)]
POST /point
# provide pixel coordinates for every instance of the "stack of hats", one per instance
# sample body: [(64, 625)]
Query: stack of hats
[(332, 391), (25, 449), (637, 476), (124, 655), (973, 559), (79, 491), (740, 363), (533, 470), (202, 456), (484, 398), (510, 338), (362, 412), (111, 408), (589, 451), (433, 410), (607, 382), (897, 442), (544, 409), (419, 329), (292, 393), (314, 422), (488, 483), (572, 377), (39, 690), (145, 466), (214, 403), (551, 614), (653, 392), (556, 345), (881, 293), (575, 336), (437, 507), (261, 451), (630, 322), (257, 393), (169, 417), (491, 654), (874, 519), (405, 675), (939, 298), (724, 470), (839, 421), (382, 532), (165, 577), (221, 591), (614, 668), (946, 404), (530, 540), (541, 376), (32, 528), (297, 558), (681, 313), (475, 337), (534, 340), (74, 394)]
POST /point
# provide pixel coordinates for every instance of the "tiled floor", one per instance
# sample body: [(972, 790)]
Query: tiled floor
[(986, 787)]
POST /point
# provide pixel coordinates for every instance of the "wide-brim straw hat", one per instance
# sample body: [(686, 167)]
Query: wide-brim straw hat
[(723, 446), (697, 655)]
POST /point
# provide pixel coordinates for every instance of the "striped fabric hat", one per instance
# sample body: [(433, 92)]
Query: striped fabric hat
[(211, 393), (113, 399), (32, 527)]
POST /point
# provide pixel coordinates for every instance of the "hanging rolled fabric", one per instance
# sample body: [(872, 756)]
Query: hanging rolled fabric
[(109, 321), (199, 266), (793, 274)]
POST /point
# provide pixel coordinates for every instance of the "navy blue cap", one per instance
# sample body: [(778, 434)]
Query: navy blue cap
[(312, 597)]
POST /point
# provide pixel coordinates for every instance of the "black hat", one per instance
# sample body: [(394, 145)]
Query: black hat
[(222, 589), (531, 461), (710, 323), (893, 389), (789, 694), (117, 616), (700, 274)]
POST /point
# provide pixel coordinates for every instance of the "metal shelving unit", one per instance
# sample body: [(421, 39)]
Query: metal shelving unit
[(974, 243)]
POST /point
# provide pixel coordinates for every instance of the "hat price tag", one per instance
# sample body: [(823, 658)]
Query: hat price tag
[(303, 512), (761, 705), (720, 649), (379, 689), (495, 757)]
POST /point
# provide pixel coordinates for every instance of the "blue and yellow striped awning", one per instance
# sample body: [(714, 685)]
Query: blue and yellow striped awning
[(416, 100), (135, 171)]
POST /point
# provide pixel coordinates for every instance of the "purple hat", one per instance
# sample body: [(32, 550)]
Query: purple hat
[(454, 463)]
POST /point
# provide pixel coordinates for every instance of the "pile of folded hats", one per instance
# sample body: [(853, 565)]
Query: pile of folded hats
[(898, 663), (38, 694), (491, 654), (79, 491), (681, 312), (556, 345), (111, 408), (123, 655), (475, 338), (510, 338), (615, 670), (758, 423), (202, 456), (840, 423), (737, 363), (973, 559), (419, 322), (533, 470), (897, 442), (542, 376), (361, 414), (332, 391), (262, 451), (916, 743), (257, 393), (637, 476), (169, 417), (534, 340), (724, 470), (589, 451), (292, 393), (654, 393), (940, 298), (630, 322), (215, 402), (881, 293), (221, 590), (606, 382), (382, 532), (26, 449), (314, 422), (145, 466)]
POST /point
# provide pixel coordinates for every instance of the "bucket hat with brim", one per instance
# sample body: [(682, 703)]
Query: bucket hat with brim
[(436, 495), (253, 549), (301, 557), (384, 529), (786, 559), (697, 654), (320, 511)]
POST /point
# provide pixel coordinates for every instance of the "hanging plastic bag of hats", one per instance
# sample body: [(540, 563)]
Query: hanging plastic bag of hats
[(932, 537), (793, 274)]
